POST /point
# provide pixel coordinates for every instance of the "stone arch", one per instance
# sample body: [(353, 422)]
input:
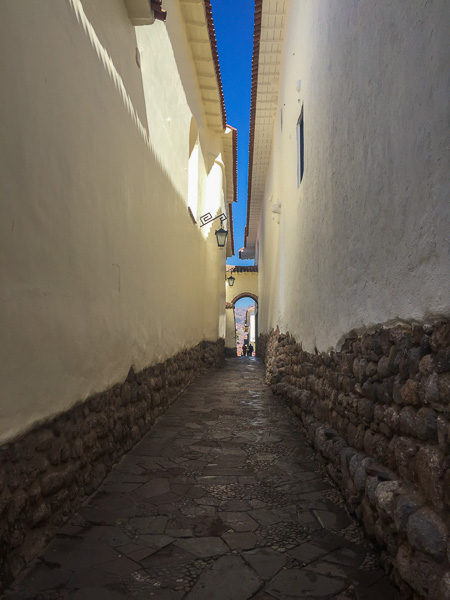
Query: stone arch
[(245, 295)]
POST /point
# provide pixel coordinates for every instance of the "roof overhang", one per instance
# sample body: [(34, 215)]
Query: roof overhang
[(229, 140), (200, 31), (199, 25), (268, 42)]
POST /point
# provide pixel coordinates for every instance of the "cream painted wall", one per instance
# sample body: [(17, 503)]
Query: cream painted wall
[(365, 238), (101, 266), (246, 283), (230, 338)]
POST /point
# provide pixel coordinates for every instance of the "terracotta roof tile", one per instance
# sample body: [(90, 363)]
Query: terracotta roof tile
[(213, 43), (255, 66), (242, 269), (231, 233), (235, 162)]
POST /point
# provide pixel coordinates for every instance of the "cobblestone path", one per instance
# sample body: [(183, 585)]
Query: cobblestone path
[(222, 500)]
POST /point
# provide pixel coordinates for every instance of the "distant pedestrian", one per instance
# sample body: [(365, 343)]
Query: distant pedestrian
[(244, 350), (250, 350)]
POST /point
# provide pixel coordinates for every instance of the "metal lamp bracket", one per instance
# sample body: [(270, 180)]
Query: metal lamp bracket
[(208, 218)]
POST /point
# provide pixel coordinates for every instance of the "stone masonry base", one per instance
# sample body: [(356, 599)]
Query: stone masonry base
[(378, 412), (49, 471)]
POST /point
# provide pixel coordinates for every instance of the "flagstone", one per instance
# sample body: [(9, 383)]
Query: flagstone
[(229, 507)]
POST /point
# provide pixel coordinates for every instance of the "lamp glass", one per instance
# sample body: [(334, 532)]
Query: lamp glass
[(221, 235), (231, 280)]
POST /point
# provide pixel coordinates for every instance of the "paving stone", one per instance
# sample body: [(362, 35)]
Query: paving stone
[(239, 521), (114, 536), (210, 527), (41, 576), (240, 541), (297, 583), (265, 561), (228, 578), (159, 594), (265, 516), (204, 547), (337, 519), (99, 593), (91, 577), (149, 525), (155, 487), (168, 556), (307, 552), (347, 556), (156, 541), (77, 554), (222, 500), (333, 570)]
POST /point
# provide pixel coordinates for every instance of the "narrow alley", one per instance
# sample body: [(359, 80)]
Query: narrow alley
[(223, 499)]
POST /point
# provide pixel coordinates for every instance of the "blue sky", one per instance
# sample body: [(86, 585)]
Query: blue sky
[(233, 23)]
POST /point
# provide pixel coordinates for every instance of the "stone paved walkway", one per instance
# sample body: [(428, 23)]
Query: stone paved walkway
[(222, 500)]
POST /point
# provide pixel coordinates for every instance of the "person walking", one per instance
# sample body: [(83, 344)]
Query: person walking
[(244, 350), (250, 350)]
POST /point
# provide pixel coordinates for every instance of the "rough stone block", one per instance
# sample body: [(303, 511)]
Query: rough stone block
[(443, 432), (405, 449), (428, 533), (51, 483), (384, 498), (372, 483), (443, 360), (426, 424), (383, 369), (360, 475), (440, 338), (407, 421), (406, 503), (429, 466), (408, 392), (431, 388), (427, 364), (443, 383), (443, 587), (40, 514), (418, 570), (44, 439)]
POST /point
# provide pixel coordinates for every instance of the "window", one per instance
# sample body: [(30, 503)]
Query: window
[(300, 149)]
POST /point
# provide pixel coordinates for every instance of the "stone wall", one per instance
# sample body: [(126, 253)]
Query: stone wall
[(48, 472), (378, 412)]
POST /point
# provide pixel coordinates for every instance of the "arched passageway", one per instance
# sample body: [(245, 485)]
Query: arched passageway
[(242, 316), (245, 318)]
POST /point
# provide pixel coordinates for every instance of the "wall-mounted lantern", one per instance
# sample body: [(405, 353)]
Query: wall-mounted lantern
[(221, 234), (231, 279)]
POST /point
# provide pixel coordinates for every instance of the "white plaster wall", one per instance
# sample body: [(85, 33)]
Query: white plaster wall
[(101, 266), (365, 239)]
